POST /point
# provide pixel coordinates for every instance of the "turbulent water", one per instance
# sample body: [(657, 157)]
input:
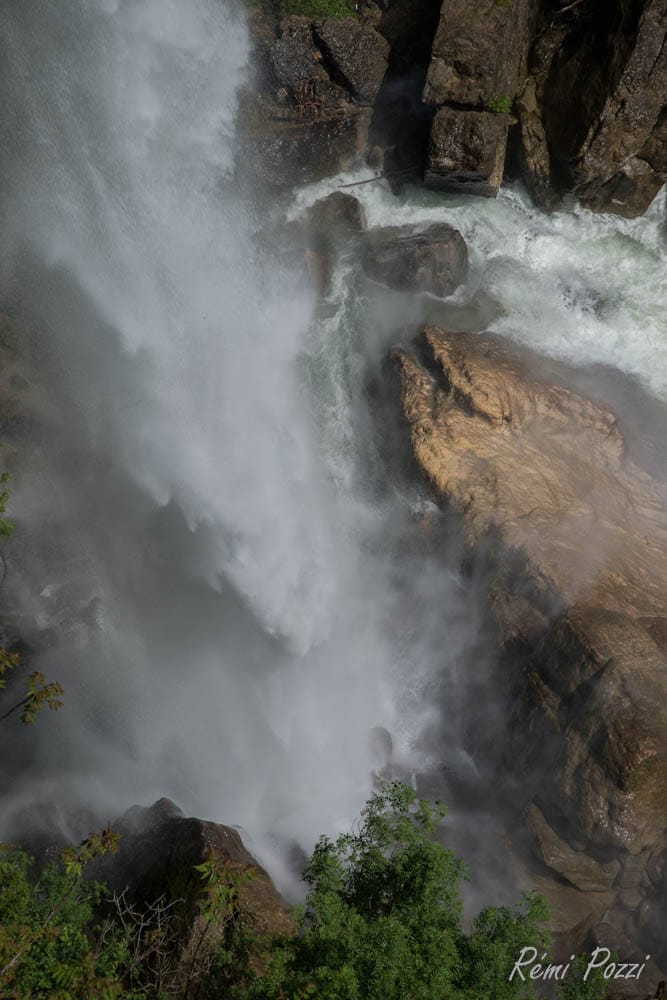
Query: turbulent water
[(585, 288), (216, 542)]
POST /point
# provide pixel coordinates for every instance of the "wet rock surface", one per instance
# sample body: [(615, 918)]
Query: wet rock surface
[(478, 56), (467, 152), (308, 111), (578, 93), (477, 66), (574, 537), (599, 77), (431, 259)]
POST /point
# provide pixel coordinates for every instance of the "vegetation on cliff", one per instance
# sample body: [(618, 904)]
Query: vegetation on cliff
[(305, 8), (382, 920)]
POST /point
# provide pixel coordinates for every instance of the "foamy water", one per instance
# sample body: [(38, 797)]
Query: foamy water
[(573, 285)]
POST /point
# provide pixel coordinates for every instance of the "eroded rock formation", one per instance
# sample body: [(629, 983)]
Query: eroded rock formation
[(575, 537), (309, 111), (477, 66), (593, 111)]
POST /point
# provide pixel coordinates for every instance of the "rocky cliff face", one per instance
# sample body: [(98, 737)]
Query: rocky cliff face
[(478, 62), (574, 96), (574, 535), (593, 110), (309, 111)]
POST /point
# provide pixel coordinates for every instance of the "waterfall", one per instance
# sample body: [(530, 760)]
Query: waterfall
[(222, 574), (199, 538)]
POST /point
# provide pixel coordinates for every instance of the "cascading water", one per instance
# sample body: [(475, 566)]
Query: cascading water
[(233, 586), (585, 288), (196, 533)]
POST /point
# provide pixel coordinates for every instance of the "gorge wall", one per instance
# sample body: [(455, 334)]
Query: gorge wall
[(569, 96)]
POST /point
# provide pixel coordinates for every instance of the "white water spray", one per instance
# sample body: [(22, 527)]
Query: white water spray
[(233, 601), (243, 590)]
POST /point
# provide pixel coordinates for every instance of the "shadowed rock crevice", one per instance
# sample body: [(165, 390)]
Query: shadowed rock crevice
[(592, 111), (401, 120)]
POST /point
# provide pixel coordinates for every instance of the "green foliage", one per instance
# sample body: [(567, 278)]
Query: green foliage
[(48, 948), (501, 105), (307, 8), (504, 3), (222, 954), (497, 937), (39, 692), (75, 859), (574, 987), (8, 661), (383, 919)]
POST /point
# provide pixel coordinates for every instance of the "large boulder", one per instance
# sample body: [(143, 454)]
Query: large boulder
[(477, 67), (326, 228), (335, 218), (575, 867), (574, 534), (479, 55), (357, 53), (159, 848), (432, 259), (467, 152)]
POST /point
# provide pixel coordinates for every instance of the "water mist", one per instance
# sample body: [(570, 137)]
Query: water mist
[(202, 547)]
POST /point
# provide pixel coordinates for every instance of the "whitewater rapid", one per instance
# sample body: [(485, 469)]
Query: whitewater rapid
[(580, 287), (215, 532)]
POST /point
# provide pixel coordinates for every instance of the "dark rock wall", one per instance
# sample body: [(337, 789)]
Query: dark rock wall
[(599, 77), (439, 90)]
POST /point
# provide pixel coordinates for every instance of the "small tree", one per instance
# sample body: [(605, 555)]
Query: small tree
[(47, 949), (383, 919)]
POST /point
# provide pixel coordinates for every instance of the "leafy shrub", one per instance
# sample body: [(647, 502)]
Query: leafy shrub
[(307, 8), (501, 105), (382, 921), (49, 948)]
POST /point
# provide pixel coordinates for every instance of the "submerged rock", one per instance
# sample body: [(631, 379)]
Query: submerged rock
[(322, 232), (433, 259), (337, 217)]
